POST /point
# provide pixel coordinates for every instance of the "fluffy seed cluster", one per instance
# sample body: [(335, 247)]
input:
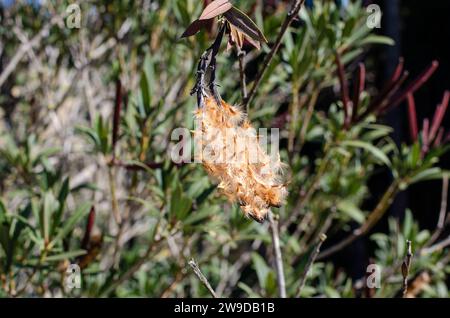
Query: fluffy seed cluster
[(229, 148)]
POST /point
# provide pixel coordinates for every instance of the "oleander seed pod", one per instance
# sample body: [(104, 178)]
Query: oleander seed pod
[(228, 147)]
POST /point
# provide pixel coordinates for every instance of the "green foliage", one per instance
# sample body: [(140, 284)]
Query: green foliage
[(130, 217)]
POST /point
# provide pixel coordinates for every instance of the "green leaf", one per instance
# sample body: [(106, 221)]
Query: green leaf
[(261, 268), (146, 86), (65, 255), (180, 204), (331, 292), (248, 290), (377, 153), (407, 224), (81, 212), (18, 228), (429, 174), (62, 196), (50, 205), (377, 39), (351, 210), (4, 228)]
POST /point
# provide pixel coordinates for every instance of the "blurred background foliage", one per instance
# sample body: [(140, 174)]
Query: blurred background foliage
[(84, 183)]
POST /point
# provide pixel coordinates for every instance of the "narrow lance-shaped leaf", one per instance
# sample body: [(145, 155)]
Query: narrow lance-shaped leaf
[(215, 9), (62, 196), (65, 255), (50, 206), (195, 27), (72, 221), (4, 227), (377, 153), (88, 230), (241, 21)]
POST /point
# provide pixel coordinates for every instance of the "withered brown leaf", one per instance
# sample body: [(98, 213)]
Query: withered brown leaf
[(215, 9), (195, 27), (242, 22), (236, 36)]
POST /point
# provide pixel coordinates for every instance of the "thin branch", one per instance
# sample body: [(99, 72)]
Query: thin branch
[(344, 90), (416, 84), (278, 256), (359, 86), (116, 115), (406, 267), (310, 263), (241, 57), (113, 193), (412, 116), (307, 118), (297, 5), (442, 212), (437, 247), (202, 277), (208, 61), (372, 219)]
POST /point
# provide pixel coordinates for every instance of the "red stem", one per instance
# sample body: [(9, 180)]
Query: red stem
[(413, 130), (358, 89), (116, 116), (89, 227), (416, 84), (439, 115), (344, 89)]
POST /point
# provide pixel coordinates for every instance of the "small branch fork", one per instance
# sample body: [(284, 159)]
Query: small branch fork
[(208, 61)]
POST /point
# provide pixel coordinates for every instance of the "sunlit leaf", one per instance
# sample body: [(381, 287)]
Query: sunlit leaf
[(215, 9), (377, 153)]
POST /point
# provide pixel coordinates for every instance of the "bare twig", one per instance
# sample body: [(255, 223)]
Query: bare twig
[(293, 12), (202, 277), (278, 256), (406, 267), (311, 261), (442, 213), (241, 57), (437, 247), (307, 118)]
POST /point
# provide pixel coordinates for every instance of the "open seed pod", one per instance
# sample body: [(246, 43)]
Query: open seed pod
[(228, 147)]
